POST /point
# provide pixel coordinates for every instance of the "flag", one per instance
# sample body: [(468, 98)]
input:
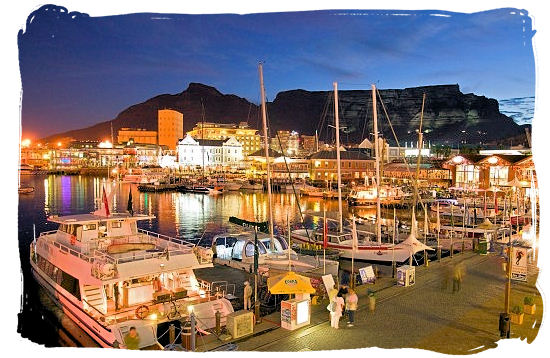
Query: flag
[(354, 240), (325, 232), (130, 207), (106, 203), (413, 224)]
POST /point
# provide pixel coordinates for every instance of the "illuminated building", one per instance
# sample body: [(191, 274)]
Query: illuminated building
[(211, 152), (486, 171), (353, 165), (138, 135), (248, 137), (170, 127)]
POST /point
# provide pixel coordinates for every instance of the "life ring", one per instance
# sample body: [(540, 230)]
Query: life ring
[(142, 311)]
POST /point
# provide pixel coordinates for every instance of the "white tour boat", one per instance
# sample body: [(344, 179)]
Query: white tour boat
[(93, 258)]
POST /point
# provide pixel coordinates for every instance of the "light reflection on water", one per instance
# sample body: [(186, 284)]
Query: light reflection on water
[(176, 214)]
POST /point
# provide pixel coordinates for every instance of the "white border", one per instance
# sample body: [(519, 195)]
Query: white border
[(15, 15)]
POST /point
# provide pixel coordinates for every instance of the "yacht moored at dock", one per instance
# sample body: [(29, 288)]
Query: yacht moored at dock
[(108, 275)]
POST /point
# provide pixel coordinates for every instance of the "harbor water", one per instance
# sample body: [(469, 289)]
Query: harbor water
[(183, 215)]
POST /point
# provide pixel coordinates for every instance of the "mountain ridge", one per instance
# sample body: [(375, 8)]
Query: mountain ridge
[(450, 116)]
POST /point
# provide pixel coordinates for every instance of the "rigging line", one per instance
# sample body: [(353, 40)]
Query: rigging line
[(322, 120), (397, 141), (365, 122), (293, 188)]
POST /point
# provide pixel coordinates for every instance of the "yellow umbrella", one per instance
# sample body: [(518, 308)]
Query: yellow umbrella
[(289, 283)]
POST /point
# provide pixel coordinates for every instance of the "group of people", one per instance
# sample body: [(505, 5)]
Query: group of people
[(342, 301)]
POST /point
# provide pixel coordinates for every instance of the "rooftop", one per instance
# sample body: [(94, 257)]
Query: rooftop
[(344, 155)]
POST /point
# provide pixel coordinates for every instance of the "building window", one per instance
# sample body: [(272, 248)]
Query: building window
[(498, 175), (467, 175)]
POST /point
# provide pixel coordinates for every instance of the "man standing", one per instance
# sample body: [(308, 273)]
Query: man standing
[(247, 295), (116, 294), (132, 339)]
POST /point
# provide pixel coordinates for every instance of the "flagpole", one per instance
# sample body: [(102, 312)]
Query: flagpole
[(438, 229), (325, 233), (354, 238), (393, 244), (452, 227), (288, 223), (426, 261)]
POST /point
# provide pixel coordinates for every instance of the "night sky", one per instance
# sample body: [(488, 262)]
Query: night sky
[(78, 70)]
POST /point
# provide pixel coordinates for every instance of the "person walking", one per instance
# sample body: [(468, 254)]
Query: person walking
[(457, 278), (247, 295), (351, 306), (337, 306)]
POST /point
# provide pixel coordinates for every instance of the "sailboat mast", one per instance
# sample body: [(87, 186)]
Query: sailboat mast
[(377, 167), (266, 148), (337, 129)]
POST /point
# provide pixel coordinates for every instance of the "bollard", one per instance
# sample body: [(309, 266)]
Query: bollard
[(218, 322), (504, 325), (185, 335), (172, 333)]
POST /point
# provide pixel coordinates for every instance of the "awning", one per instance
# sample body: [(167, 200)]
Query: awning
[(289, 283), (412, 245)]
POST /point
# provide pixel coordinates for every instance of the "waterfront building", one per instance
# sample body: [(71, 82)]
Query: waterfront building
[(354, 165), (170, 127), (248, 137), (285, 168), (486, 171), (137, 135), (210, 152), (142, 155), (38, 158), (430, 174)]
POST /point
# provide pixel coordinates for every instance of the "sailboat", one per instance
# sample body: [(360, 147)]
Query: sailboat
[(348, 243), (274, 253)]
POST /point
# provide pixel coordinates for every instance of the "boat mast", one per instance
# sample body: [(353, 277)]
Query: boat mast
[(337, 129), (377, 167), (266, 148)]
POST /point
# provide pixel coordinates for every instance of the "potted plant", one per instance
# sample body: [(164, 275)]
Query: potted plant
[(529, 305), (372, 300), (516, 314)]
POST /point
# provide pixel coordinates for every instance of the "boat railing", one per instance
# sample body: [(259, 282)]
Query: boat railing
[(69, 250), (167, 238)]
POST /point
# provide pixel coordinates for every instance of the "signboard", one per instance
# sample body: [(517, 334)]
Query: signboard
[(328, 281), (261, 226), (519, 263), (367, 274)]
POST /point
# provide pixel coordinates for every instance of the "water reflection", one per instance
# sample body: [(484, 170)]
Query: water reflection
[(176, 214)]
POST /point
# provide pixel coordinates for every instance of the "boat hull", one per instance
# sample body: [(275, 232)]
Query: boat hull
[(72, 308)]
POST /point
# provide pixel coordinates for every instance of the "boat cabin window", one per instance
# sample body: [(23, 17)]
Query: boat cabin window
[(116, 224), (249, 250), (334, 239), (238, 250), (282, 242), (87, 227)]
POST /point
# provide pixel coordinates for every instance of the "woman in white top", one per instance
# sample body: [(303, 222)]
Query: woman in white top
[(336, 311)]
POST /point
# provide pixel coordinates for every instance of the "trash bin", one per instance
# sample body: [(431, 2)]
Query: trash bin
[(504, 325)]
